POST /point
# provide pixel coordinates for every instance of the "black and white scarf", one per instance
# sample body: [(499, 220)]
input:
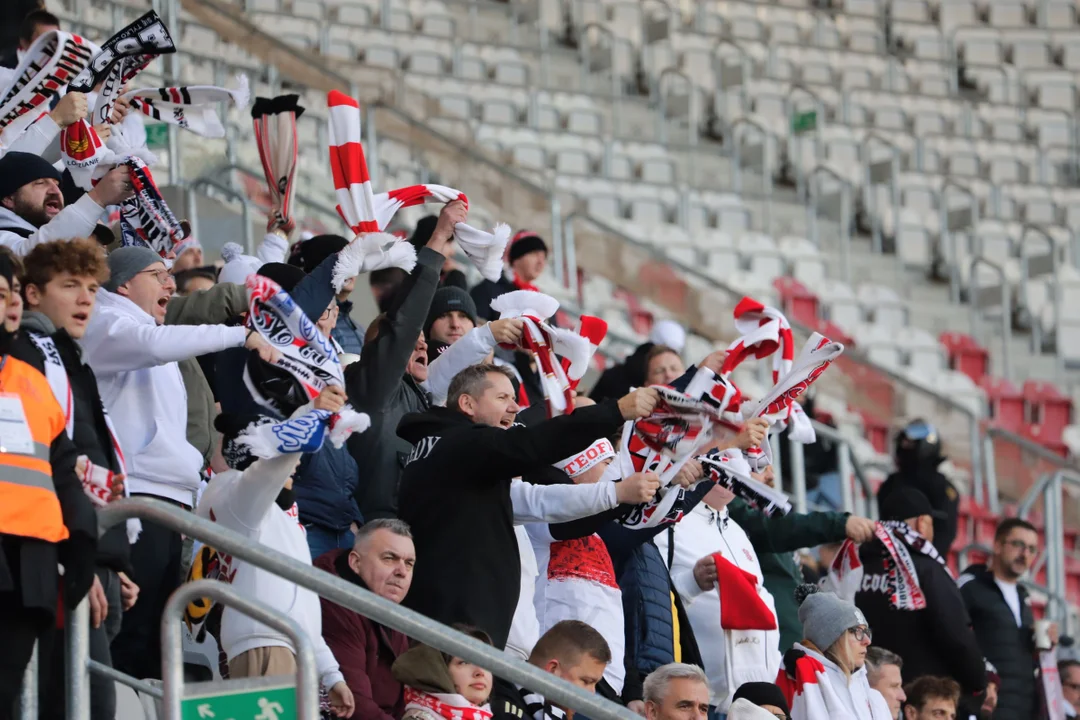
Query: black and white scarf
[(537, 706), (190, 107), (121, 58), (145, 218), (731, 469), (264, 437)]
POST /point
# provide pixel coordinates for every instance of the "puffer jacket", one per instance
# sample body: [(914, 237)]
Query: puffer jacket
[(1008, 648), (324, 486)]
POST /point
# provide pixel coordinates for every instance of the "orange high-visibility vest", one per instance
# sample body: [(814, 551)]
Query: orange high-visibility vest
[(28, 503)]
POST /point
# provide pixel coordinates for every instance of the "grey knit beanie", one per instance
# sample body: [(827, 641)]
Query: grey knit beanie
[(824, 616), (127, 262)]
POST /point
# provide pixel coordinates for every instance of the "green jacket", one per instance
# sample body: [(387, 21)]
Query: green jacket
[(775, 539), (215, 306)]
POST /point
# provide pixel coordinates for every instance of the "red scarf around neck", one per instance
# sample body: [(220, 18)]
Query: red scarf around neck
[(449, 706)]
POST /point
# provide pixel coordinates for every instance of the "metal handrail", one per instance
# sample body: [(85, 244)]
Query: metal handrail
[(362, 601), (1006, 310), (876, 241), (845, 213), (245, 207)]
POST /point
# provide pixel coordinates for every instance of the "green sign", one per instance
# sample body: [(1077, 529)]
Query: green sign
[(157, 135), (802, 122), (249, 699)]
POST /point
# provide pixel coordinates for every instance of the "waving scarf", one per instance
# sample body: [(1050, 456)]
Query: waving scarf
[(365, 212), (121, 58), (899, 540), (450, 706), (730, 469), (545, 342), (191, 107), (48, 66), (275, 136), (265, 438), (145, 219)]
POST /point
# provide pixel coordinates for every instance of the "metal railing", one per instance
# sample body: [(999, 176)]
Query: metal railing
[(857, 494), (337, 590)]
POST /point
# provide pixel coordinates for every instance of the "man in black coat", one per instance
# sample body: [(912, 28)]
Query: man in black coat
[(937, 640), (527, 256), (455, 491), (918, 454), (1000, 611)]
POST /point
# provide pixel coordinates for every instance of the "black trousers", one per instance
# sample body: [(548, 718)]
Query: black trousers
[(155, 562), (19, 628)]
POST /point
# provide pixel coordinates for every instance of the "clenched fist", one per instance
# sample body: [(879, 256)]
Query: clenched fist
[(452, 213), (507, 331), (332, 398), (71, 109), (705, 574), (752, 434), (638, 404), (114, 188), (859, 529), (638, 488)]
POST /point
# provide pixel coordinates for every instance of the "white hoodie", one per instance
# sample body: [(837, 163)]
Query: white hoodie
[(76, 220), (702, 532), (470, 349), (836, 696), (246, 502), (134, 360)]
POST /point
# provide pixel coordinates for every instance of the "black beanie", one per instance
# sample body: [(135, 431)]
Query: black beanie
[(425, 226), (446, 300), (314, 250), (287, 276), (524, 243), (762, 693), (20, 168)]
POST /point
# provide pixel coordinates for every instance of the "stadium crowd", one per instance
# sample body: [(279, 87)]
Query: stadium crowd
[(441, 456)]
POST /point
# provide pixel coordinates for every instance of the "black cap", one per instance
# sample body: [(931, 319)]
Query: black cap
[(905, 502), (762, 693), (525, 242), (314, 250), (447, 300), (287, 276), (20, 168)]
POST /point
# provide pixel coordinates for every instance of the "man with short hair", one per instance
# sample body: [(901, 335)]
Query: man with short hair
[(34, 24), (134, 357), (455, 491), (677, 692), (937, 639), (1001, 615), (32, 206), (571, 650), (527, 258), (1069, 671), (381, 561), (883, 673), (59, 284), (932, 698)]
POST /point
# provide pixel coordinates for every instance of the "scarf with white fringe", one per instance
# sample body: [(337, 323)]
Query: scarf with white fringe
[(275, 136), (191, 107), (367, 212), (545, 342), (266, 438), (50, 63)]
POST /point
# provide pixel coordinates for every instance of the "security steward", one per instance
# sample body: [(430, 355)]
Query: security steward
[(46, 520)]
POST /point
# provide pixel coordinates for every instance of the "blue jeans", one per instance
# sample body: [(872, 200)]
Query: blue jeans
[(322, 540)]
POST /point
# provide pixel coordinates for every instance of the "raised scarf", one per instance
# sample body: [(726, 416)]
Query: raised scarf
[(48, 66), (145, 219), (264, 438), (730, 469), (121, 58), (450, 706), (367, 212), (275, 136), (97, 481), (545, 343), (899, 540), (191, 107)]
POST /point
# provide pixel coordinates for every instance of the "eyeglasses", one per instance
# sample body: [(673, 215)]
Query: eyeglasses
[(1021, 546), (163, 276), (861, 633)]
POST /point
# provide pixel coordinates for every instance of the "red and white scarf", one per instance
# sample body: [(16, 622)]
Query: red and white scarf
[(367, 212), (51, 62), (191, 107), (275, 136), (97, 481), (813, 693), (545, 342), (898, 538), (446, 705)]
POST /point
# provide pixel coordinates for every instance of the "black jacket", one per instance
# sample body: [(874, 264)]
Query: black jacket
[(486, 291), (91, 434), (1009, 648), (455, 495), (935, 641), (378, 385), (617, 380), (938, 490)]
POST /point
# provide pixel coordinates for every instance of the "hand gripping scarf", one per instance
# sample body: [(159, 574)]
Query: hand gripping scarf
[(264, 438), (730, 469), (145, 219), (121, 58), (191, 107), (897, 537), (365, 212), (545, 342), (275, 135), (48, 66), (449, 706)]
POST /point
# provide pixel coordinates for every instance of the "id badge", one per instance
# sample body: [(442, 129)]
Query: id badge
[(15, 434)]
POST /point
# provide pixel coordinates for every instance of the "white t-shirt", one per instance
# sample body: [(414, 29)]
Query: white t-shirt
[(1012, 597)]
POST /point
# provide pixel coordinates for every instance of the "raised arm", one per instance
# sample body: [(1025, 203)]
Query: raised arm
[(560, 503)]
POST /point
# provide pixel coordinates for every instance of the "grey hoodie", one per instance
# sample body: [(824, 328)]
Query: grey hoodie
[(76, 220)]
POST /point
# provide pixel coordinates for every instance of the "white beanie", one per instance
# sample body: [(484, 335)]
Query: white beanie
[(237, 265), (670, 333)]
